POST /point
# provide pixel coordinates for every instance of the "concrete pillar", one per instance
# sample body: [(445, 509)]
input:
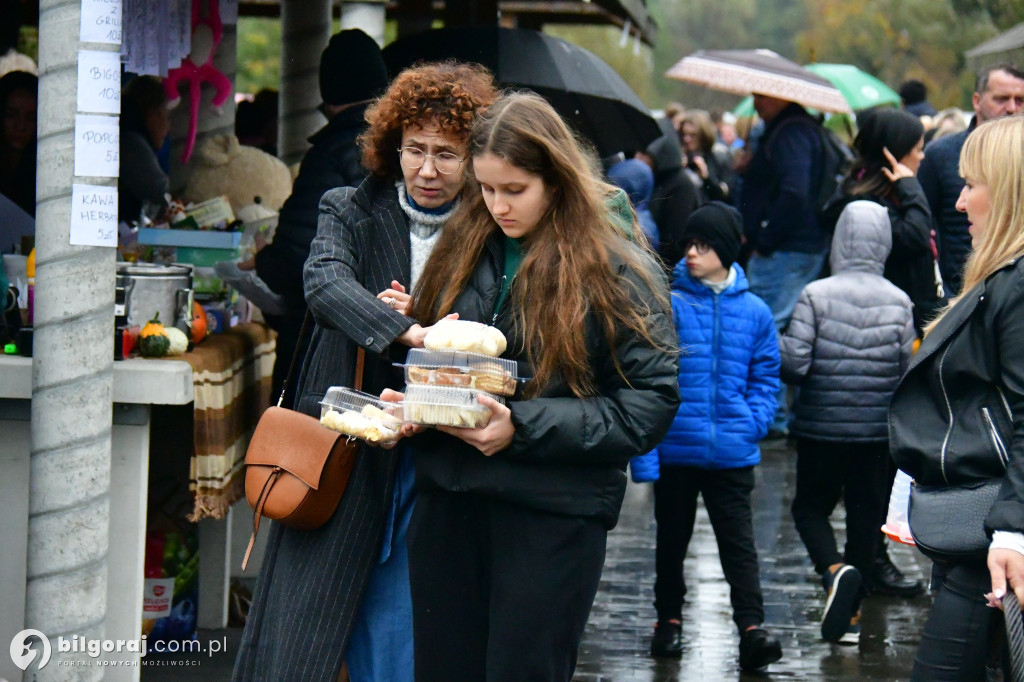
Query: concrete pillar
[(212, 121), (368, 16), (72, 374), (305, 30)]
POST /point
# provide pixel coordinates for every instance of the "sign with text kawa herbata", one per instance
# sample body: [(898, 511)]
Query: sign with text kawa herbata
[(93, 215)]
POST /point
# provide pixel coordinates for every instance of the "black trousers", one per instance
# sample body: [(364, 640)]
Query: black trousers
[(726, 494), (857, 473), (963, 636), (500, 592)]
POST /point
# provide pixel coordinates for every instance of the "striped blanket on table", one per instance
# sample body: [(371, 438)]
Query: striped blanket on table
[(231, 374)]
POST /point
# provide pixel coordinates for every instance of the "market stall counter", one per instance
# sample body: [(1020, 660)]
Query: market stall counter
[(226, 382)]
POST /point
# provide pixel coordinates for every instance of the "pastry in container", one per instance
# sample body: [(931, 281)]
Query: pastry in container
[(445, 406), (360, 415), (466, 335), (461, 369)]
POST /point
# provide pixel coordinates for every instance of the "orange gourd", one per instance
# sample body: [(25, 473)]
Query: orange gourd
[(199, 329)]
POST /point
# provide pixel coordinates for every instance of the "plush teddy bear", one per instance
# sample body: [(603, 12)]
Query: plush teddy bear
[(223, 167)]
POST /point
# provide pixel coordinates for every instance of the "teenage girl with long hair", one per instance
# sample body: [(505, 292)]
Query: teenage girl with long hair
[(508, 536)]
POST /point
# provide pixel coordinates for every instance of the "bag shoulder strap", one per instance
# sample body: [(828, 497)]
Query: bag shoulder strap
[(307, 325)]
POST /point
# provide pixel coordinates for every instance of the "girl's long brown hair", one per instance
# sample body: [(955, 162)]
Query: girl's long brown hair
[(567, 270)]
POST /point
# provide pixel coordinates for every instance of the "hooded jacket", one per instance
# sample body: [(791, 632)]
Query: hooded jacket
[(673, 198), (851, 336), (568, 455), (728, 378), (957, 414)]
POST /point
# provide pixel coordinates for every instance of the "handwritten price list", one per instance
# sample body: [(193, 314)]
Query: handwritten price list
[(99, 82), (101, 21), (93, 215), (97, 146)]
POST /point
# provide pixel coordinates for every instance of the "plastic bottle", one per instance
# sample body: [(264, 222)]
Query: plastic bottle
[(30, 272)]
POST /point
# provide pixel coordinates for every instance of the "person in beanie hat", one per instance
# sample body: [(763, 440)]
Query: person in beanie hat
[(728, 378), (352, 72), (352, 69)]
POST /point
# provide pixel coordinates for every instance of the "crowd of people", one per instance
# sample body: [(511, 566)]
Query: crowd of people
[(719, 300), (476, 553)]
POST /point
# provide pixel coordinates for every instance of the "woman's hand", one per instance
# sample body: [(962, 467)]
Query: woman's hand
[(494, 437), (701, 165), (898, 171), (413, 336), (396, 298), (406, 430), (1006, 565)]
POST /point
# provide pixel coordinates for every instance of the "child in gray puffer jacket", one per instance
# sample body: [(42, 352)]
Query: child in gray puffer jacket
[(848, 343)]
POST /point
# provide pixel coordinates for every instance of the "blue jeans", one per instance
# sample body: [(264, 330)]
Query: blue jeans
[(380, 648), (778, 280)]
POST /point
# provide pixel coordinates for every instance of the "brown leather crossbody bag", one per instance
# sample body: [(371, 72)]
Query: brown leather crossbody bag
[(296, 470)]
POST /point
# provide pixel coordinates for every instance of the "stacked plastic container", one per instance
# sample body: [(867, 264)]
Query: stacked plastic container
[(360, 415), (443, 385)]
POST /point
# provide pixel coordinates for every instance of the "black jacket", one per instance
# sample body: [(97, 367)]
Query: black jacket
[(777, 196), (940, 178), (674, 197), (568, 455), (958, 414), (332, 161)]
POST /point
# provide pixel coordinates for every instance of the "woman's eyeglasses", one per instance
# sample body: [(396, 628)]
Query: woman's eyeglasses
[(701, 247), (414, 157)]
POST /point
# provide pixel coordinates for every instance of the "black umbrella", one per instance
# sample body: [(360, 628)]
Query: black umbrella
[(587, 92)]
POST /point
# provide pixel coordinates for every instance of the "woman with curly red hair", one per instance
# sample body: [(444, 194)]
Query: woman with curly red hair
[(341, 592)]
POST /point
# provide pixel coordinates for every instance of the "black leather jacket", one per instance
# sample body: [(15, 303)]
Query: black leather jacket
[(958, 414), (568, 455)]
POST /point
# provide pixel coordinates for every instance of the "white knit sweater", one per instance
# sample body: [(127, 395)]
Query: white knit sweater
[(424, 229)]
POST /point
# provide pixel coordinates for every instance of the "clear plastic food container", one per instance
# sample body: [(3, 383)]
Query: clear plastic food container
[(360, 415), (461, 369), (445, 406)]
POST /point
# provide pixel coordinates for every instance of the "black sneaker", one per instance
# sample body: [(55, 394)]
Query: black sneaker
[(886, 579), (668, 639), (842, 587), (758, 649)]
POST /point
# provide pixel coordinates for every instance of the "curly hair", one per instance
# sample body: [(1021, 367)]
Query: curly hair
[(446, 93)]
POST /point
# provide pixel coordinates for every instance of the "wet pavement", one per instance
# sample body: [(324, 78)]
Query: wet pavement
[(615, 646)]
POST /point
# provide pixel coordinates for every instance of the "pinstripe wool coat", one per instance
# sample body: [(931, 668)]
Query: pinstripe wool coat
[(310, 583)]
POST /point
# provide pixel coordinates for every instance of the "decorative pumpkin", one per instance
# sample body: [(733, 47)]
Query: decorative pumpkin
[(199, 328), (178, 341), (153, 340)]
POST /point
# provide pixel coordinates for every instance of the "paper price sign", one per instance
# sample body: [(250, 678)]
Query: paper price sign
[(99, 82), (93, 215), (101, 21), (97, 146)]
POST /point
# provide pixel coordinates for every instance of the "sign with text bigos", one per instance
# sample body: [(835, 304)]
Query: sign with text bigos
[(93, 215), (99, 82)]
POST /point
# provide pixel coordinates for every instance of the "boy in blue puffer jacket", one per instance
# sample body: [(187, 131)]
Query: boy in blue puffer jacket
[(728, 377)]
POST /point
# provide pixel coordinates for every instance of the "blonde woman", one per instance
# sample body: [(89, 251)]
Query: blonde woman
[(956, 416)]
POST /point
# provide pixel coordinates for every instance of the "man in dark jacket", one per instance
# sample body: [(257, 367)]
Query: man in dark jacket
[(780, 219), (352, 72), (998, 91)]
